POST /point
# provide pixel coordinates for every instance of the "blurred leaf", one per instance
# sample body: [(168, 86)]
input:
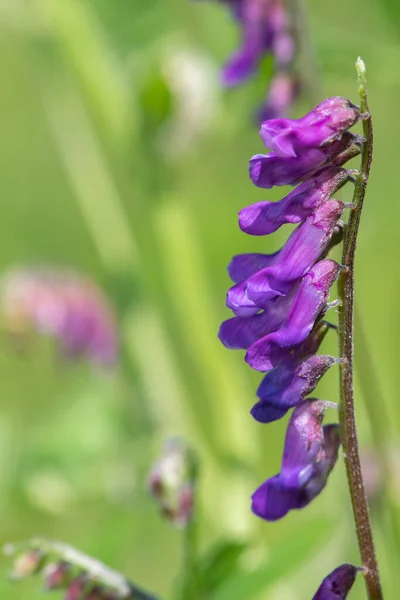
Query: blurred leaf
[(156, 100), (392, 9), (220, 562), (286, 556)]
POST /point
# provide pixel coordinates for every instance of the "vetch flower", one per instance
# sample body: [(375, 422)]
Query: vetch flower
[(310, 299), (321, 126), (337, 584), (285, 386), (275, 274), (268, 170), (309, 456), (266, 217)]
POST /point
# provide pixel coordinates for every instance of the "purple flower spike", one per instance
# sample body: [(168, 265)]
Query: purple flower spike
[(288, 384), (309, 456), (267, 170), (324, 124), (283, 91), (303, 248), (311, 296), (263, 218), (337, 584)]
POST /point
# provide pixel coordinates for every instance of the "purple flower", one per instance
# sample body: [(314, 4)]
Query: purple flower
[(310, 299), (273, 275), (243, 331), (265, 29), (267, 170), (324, 124), (286, 385), (266, 217), (309, 456), (337, 584), (256, 42), (61, 304)]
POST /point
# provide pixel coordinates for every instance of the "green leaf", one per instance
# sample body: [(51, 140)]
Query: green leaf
[(220, 562), (286, 557)]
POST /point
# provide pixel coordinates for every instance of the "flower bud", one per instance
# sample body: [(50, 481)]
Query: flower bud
[(337, 584), (77, 588), (27, 564), (171, 482), (57, 575)]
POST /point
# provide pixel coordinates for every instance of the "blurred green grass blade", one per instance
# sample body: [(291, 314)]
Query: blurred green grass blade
[(90, 176), (286, 557), (78, 31)]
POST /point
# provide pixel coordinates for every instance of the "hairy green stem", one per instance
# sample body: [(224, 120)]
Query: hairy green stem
[(347, 418)]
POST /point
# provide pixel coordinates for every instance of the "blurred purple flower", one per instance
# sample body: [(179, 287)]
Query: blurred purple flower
[(337, 584), (309, 456), (265, 30), (61, 304)]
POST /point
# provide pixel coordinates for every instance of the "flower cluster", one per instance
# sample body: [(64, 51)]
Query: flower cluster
[(63, 568), (279, 300), (265, 30), (63, 305), (172, 482)]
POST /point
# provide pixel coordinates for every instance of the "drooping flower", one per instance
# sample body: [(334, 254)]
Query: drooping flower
[(276, 347), (309, 456), (337, 584), (289, 383), (172, 482), (266, 217), (61, 304), (268, 170), (321, 126), (263, 277)]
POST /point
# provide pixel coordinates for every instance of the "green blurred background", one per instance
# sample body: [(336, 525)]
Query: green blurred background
[(108, 168)]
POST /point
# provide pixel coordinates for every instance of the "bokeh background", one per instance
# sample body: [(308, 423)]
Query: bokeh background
[(122, 158)]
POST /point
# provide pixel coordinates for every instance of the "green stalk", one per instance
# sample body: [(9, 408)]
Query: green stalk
[(347, 417)]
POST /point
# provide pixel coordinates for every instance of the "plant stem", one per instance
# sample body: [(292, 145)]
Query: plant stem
[(346, 326)]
